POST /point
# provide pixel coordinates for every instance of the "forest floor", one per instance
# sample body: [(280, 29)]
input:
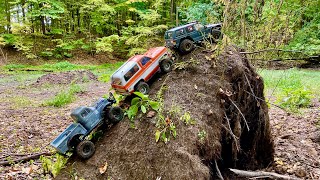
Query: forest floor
[(28, 124)]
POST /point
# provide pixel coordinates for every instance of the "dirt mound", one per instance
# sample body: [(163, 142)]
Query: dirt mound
[(66, 78), (221, 120)]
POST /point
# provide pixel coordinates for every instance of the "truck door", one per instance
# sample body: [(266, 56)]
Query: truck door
[(199, 29)]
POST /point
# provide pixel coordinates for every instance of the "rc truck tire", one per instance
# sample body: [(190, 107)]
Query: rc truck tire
[(166, 65), (216, 34), (143, 87), (186, 46), (85, 149), (115, 114)]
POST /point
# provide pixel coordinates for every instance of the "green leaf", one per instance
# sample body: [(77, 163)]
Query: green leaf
[(157, 135), (143, 96), (143, 109), (154, 105), (135, 101), (133, 110)]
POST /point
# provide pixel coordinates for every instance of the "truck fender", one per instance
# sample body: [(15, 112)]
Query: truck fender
[(75, 140)]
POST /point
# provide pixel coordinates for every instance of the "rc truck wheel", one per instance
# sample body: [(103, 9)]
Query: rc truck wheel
[(166, 66), (186, 46), (85, 149), (143, 88), (115, 114), (216, 34)]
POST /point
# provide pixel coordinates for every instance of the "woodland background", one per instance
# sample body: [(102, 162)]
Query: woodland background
[(60, 29)]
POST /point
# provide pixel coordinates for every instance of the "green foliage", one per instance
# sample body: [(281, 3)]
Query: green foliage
[(65, 97), (143, 103), (293, 88), (293, 99), (202, 135), (106, 44), (9, 39), (202, 12), (187, 119), (53, 164), (165, 134)]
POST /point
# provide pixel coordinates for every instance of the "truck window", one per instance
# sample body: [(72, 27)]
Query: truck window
[(144, 60), (169, 35), (190, 29), (179, 32), (198, 27), (84, 113), (131, 72)]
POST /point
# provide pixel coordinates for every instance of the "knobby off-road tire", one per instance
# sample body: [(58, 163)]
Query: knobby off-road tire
[(85, 149), (216, 34), (166, 65), (186, 46), (115, 114), (143, 88)]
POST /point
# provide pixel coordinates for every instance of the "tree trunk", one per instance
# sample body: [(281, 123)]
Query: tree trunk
[(23, 11), (8, 15), (78, 20), (42, 19)]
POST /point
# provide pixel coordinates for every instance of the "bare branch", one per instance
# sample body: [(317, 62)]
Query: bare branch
[(26, 158)]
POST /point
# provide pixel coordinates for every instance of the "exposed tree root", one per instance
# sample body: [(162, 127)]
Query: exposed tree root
[(260, 174)]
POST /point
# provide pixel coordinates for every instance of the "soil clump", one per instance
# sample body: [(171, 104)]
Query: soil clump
[(66, 78)]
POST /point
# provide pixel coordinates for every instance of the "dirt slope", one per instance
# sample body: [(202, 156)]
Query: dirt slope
[(229, 124)]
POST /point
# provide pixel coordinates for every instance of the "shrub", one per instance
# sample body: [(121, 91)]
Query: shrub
[(295, 98)]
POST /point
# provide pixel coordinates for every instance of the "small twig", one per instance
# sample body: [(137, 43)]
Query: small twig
[(240, 113), (218, 170), (26, 158), (266, 101), (257, 174), (250, 86)]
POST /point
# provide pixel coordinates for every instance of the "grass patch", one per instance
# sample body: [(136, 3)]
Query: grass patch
[(65, 97), (62, 66), (103, 71), (292, 88), (19, 102)]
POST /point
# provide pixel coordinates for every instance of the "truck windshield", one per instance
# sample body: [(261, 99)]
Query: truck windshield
[(168, 35), (85, 113)]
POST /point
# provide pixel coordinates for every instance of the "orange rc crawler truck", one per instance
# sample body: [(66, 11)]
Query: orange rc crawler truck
[(134, 74)]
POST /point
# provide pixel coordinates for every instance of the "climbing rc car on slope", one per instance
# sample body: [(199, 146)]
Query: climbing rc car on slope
[(86, 120), (184, 37), (134, 74)]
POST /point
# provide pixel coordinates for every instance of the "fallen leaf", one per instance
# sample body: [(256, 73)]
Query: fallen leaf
[(151, 114), (103, 168), (27, 170)]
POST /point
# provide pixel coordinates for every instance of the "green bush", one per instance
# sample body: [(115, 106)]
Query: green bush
[(9, 39), (293, 99)]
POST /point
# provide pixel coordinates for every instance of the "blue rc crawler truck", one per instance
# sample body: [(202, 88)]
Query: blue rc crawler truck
[(86, 120)]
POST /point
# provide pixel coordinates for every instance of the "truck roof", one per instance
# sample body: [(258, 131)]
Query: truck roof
[(152, 53), (183, 26)]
